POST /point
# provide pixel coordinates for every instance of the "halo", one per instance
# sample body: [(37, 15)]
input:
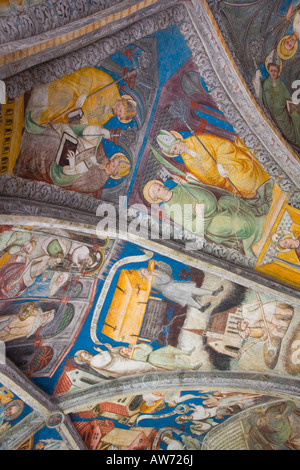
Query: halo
[(279, 235), (146, 192), (283, 53), (21, 406)]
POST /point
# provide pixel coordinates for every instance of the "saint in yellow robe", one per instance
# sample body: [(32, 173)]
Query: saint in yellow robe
[(63, 93), (243, 169)]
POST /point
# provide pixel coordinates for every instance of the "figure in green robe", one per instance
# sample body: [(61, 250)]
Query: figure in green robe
[(227, 219), (275, 94)]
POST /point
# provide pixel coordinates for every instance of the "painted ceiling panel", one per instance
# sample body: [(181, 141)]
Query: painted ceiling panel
[(260, 34), (13, 409), (149, 233)]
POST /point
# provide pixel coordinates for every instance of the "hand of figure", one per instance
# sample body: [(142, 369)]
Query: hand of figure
[(179, 180), (80, 101), (289, 12), (199, 209), (70, 155), (258, 75), (84, 120)]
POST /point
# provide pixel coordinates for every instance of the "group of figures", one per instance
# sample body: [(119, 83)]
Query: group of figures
[(175, 421), (70, 139), (248, 324), (62, 119), (28, 255), (280, 98), (228, 193), (264, 39), (47, 283)]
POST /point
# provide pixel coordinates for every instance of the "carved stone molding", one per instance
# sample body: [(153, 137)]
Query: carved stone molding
[(92, 39), (48, 15)]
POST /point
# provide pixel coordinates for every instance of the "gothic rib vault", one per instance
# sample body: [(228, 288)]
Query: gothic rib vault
[(126, 323)]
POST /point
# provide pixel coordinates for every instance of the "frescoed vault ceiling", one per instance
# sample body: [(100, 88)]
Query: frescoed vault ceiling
[(150, 225)]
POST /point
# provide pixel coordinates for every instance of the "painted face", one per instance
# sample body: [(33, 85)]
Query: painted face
[(179, 148), (112, 165), (27, 247), (82, 256), (59, 279), (125, 351), (86, 356), (290, 42), (159, 191), (47, 316), (88, 261), (11, 411), (289, 243), (244, 325), (119, 109), (274, 72), (53, 262)]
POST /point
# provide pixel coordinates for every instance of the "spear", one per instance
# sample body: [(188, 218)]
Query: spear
[(73, 108), (283, 21)]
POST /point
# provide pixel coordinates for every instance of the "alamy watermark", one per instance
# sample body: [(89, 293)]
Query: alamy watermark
[(2, 92), (179, 222), (296, 93), (2, 353)]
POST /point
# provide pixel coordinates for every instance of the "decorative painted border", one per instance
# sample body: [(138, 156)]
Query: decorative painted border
[(216, 263), (183, 380)]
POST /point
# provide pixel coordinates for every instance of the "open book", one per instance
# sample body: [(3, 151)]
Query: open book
[(68, 142)]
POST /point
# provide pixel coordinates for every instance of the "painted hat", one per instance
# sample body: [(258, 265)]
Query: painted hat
[(166, 140), (280, 235), (123, 167)]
